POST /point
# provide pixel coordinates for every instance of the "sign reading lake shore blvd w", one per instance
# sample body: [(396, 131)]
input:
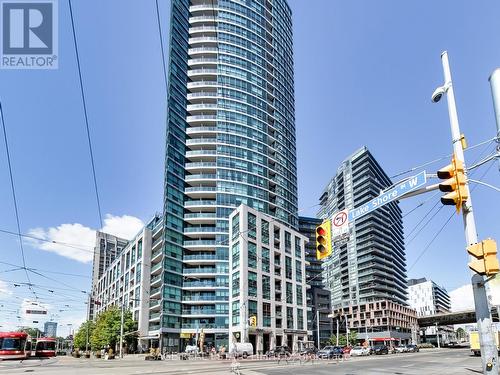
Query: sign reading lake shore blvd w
[(388, 196)]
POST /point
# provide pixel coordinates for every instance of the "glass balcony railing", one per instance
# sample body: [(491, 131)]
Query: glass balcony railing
[(199, 270), (154, 315), (203, 93), (200, 203), (201, 152), (155, 279), (200, 140), (200, 117), (201, 284), (203, 257), (200, 216), (205, 326), (200, 312), (202, 176), (199, 188), (200, 243), (201, 165), (154, 327), (202, 29), (155, 290), (156, 267), (200, 230)]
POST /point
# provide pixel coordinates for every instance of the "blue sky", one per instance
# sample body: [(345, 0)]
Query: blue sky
[(364, 74)]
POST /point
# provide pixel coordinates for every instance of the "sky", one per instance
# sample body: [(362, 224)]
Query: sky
[(364, 75)]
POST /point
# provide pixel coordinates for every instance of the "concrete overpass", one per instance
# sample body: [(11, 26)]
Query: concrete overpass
[(459, 317)]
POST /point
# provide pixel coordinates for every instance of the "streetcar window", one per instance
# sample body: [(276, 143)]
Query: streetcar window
[(9, 343)]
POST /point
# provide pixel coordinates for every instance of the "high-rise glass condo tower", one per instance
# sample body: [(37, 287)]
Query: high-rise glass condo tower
[(230, 140), (371, 266)]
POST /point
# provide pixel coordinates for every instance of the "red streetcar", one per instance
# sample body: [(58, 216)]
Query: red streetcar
[(45, 347), (14, 345)]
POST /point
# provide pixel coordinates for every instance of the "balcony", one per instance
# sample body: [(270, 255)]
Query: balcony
[(201, 166), (201, 177), (157, 268), (156, 242), (154, 327), (205, 284), (202, 29), (200, 244), (201, 192), (205, 40), (200, 142), (155, 281), (155, 292), (202, 95), (202, 19), (204, 326), (154, 316), (201, 118), (200, 218), (190, 312), (200, 205), (199, 271), (200, 84), (157, 255)]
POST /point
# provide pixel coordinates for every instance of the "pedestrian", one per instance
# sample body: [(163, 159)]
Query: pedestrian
[(213, 351)]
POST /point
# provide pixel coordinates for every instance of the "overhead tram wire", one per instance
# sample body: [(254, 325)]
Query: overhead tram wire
[(40, 270), (491, 140), (14, 198), (89, 139)]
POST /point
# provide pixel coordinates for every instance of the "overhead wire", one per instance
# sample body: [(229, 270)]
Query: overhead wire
[(87, 128), (14, 198)]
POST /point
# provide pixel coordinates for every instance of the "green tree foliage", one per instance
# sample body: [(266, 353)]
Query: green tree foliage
[(80, 340), (353, 337), (107, 328), (33, 332), (461, 335), (342, 340)]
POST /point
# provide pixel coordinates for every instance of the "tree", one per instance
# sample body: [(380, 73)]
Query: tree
[(80, 340), (33, 332), (353, 337), (107, 328), (342, 340)]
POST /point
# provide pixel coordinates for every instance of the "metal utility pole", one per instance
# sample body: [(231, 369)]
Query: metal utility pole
[(346, 330), (337, 332), (495, 92), (489, 354), (437, 336), (317, 325), (121, 331)]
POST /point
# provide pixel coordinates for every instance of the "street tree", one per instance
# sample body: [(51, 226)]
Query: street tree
[(107, 328), (84, 332)]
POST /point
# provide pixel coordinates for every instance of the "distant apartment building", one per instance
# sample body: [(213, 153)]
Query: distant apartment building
[(428, 298), (267, 282), (132, 282), (318, 298), (50, 329), (367, 269), (107, 247)]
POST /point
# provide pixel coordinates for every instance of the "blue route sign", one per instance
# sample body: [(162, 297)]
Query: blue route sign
[(388, 196)]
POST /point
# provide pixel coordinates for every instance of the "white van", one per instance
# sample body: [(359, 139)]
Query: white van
[(242, 349)]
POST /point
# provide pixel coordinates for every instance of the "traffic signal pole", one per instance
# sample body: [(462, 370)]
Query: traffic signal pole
[(495, 93), (489, 354)]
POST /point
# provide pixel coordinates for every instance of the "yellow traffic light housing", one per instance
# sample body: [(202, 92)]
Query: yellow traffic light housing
[(253, 321), (455, 184), (486, 254), (324, 239)]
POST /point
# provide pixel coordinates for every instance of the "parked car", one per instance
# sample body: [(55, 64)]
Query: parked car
[(279, 351), (346, 349), (401, 349), (412, 348), (308, 351), (330, 352), (381, 349), (360, 351)]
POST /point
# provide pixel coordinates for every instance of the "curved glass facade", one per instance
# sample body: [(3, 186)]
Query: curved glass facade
[(230, 140)]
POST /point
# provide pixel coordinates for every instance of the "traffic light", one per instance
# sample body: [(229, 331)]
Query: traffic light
[(324, 239), (486, 254), (454, 184), (253, 321)]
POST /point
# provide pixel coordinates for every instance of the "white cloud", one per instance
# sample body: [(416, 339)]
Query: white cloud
[(4, 288), (462, 298), (80, 239)]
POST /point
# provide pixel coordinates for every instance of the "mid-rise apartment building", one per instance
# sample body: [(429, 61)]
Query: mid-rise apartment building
[(428, 298), (268, 282)]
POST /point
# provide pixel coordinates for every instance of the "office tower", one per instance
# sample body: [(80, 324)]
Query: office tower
[(50, 329), (318, 297), (367, 273), (428, 298), (230, 140)]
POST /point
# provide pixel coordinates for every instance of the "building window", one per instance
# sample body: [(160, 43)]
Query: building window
[(298, 248), (289, 293), (265, 259), (236, 313), (299, 295), (252, 310), (266, 287), (289, 317), (279, 316), (252, 226), (288, 268), (298, 271), (235, 223), (252, 284), (139, 249), (300, 319), (236, 284), (288, 242), (252, 255), (133, 255), (138, 273), (235, 252), (266, 314), (264, 232)]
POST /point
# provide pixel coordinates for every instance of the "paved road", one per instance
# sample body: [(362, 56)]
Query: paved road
[(440, 362)]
